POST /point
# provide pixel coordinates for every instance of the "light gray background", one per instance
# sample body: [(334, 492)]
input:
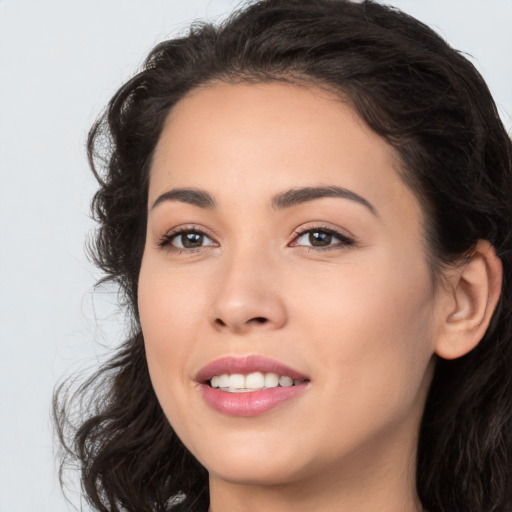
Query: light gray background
[(60, 62)]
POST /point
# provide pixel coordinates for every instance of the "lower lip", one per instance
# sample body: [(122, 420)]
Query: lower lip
[(251, 403)]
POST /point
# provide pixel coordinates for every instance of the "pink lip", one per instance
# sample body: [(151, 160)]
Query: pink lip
[(247, 364), (254, 402)]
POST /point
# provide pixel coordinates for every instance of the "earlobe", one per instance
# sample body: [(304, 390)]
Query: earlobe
[(475, 288)]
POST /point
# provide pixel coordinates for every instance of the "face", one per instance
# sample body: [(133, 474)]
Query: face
[(285, 297)]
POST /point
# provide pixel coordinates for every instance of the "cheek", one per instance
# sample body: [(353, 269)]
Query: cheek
[(170, 308), (374, 330), (171, 303)]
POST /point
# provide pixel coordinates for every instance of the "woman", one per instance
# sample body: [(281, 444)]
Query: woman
[(308, 210)]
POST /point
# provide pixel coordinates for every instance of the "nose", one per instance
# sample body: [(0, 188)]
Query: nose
[(248, 297)]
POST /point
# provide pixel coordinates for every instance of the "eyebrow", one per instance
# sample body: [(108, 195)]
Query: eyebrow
[(186, 195), (281, 201), (297, 196)]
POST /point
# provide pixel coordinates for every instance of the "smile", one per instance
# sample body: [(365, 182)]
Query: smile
[(239, 383), (249, 386)]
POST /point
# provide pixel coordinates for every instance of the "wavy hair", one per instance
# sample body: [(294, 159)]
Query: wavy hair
[(430, 104)]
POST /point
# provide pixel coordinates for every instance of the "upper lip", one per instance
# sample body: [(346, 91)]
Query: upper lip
[(245, 365)]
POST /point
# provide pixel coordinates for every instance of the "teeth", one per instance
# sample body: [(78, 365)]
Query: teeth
[(224, 381), (238, 383), (285, 381), (255, 381), (271, 380)]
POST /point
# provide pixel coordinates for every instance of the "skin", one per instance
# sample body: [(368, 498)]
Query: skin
[(362, 319)]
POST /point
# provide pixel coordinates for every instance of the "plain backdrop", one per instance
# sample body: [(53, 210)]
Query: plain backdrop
[(60, 62)]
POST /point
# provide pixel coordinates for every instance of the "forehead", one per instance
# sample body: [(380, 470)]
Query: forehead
[(258, 139)]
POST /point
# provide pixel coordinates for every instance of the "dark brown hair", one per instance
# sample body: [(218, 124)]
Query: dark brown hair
[(428, 102)]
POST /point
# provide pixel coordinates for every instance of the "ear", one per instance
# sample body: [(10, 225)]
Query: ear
[(473, 291)]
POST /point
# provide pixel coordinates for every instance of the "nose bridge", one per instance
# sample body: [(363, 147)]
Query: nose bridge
[(248, 296)]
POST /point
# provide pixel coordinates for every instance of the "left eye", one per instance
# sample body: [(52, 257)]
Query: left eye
[(322, 238), (189, 240)]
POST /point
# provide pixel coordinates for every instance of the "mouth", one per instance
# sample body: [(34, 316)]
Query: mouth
[(248, 386), (248, 373), (255, 381)]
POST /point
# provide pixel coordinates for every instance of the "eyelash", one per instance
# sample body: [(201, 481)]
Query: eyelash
[(344, 241), (166, 240)]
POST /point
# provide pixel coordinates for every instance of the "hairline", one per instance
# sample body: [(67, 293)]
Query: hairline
[(334, 92)]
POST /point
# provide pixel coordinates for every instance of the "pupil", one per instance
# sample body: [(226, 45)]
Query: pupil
[(319, 239), (191, 240)]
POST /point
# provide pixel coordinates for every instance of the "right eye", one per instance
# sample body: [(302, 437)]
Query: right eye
[(186, 239)]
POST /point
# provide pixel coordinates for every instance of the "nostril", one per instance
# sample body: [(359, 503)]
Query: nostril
[(235, 325)]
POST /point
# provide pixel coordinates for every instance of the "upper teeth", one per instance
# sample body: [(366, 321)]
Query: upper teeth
[(238, 383)]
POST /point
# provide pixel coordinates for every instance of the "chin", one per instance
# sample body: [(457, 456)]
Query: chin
[(252, 463), (267, 473)]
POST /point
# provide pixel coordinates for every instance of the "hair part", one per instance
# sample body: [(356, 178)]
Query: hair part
[(432, 106)]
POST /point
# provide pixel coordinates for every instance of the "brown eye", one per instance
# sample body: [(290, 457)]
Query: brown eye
[(189, 240), (322, 238), (319, 239)]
